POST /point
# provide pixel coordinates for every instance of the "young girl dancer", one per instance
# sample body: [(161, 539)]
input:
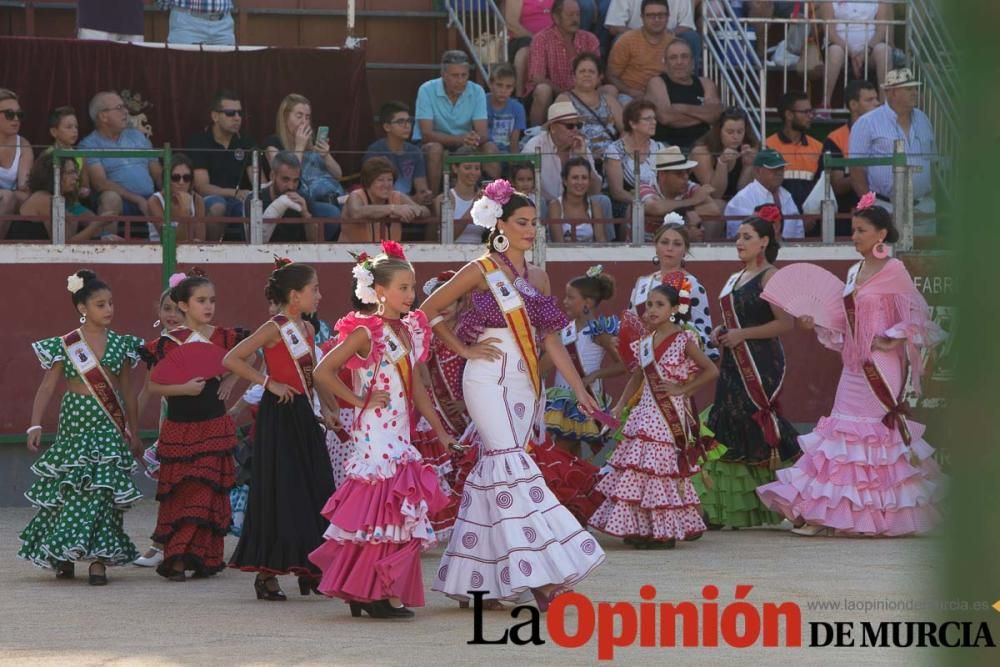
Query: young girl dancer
[(84, 484), (512, 535), (290, 476), (379, 517), (196, 444), (650, 499), (168, 318)]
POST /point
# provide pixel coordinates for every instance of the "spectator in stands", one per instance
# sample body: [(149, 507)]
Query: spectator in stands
[(725, 155), (861, 97), (560, 140), (686, 105), (576, 203), (42, 184), (550, 60), (200, 21), (123, 185), (64, 128), (624, 15), (522, 177), (506, 115), (321, 174), (638, 54), (768, 9), (376, 201), (524, 18), (674, 191), (282, 198), (112, 20), (222, 159), (451, 112), (411, 176), (769, 172), (465, 176), (875, 133), (800, 151), (600, 110), (619, 161), (185, 203), (16, 158), (857, 41)]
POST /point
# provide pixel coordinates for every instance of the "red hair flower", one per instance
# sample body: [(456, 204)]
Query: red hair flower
[(393, 249), (769, 212), (361, 257), (445, 276), (281, 262)]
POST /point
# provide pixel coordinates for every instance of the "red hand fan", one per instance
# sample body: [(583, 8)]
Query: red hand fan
[(806, 289), (189, 361)]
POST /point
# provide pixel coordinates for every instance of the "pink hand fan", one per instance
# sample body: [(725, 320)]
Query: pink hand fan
[(189, 361), (806, 289)]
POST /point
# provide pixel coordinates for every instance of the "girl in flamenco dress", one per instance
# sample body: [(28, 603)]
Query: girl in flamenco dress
[(651, 502), (379, 521), (866, 469)]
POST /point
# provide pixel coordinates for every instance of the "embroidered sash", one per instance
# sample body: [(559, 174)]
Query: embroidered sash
[(684, 429), (569, 336), (641, 292), (399, 357), (895, 408), (767, 408), (516, 315), (88, 367), (298, 348)]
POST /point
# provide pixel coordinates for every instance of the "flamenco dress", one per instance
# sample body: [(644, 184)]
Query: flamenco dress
[(197, 469), (857, 475), (378, 519), (84, 481)]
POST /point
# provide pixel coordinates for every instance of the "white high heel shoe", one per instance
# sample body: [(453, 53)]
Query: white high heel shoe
[(152, 558), (810, 530)]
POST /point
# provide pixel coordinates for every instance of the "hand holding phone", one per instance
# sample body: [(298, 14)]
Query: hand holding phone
[(322, 134)]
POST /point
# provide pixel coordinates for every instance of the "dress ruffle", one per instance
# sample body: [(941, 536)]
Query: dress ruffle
[(732, 500), (564, 420), (856, 476), (571, 479), (439, 459), (373, 325)]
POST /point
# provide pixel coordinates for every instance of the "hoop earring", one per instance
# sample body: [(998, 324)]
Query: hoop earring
[(500, 243), (880, 251), (673, 317), (656, 260), (83, 318), (156, 324), (381, 307)]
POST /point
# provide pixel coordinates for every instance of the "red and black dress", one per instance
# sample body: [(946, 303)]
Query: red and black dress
[(197, 470), (290, 480)]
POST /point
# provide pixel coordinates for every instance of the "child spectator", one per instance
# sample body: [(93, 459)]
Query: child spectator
[(506, 115)]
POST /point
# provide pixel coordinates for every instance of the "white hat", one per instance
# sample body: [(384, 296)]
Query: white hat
[(561, 111), (672, 159), (900, 78)]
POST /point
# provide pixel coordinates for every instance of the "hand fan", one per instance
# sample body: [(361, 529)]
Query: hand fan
[(631, 329), (806, 289), (189, 361)]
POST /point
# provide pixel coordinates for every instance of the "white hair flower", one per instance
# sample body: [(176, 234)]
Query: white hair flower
[(595, 271), (486, 212), (365, 279), (74, 283), (674, 218)]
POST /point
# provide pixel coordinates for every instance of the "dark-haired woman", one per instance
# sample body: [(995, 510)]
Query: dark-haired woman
[(745, 416), (196, 443), (85, 483), (725, 155), (512, 535), (866, 469), (291, 477), (185, 202), (576, 203)]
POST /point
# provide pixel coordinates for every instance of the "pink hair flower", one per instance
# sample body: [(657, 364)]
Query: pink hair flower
[(499, 191), (867, 201), (175, 279)]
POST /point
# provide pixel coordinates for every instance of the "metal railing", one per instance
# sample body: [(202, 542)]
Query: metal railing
[(483, 30), (731, 61)]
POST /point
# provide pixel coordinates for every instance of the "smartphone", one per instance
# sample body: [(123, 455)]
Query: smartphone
[(323, 133)]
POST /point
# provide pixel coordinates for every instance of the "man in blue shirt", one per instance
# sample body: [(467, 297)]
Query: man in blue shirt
[(411, 177), (123, 184), (451, 113)]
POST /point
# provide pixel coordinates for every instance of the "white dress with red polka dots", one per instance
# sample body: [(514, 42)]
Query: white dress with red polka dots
[(647, 495)]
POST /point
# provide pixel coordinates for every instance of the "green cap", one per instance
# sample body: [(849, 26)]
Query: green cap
[(769, 158)]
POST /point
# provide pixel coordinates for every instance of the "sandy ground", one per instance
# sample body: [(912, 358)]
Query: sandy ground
[(140, 618)]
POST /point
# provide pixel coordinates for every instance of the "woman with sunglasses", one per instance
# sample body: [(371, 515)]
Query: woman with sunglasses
[(725, 155), (16, 158), (619, 160), (185, 202)]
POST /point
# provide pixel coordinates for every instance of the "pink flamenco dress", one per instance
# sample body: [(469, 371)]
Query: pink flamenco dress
[(857, 475), (378, 518), (650, 497)]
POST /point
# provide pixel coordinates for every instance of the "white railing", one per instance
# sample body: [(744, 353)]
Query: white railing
[(731, 61), (483, 30)]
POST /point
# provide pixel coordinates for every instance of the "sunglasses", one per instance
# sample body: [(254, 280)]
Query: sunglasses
[(230, 113), (181, 178), (572, 126), (10, 114)]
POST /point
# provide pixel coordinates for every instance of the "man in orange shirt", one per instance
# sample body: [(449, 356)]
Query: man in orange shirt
[(800, 151), (861, 97), (638, 55)]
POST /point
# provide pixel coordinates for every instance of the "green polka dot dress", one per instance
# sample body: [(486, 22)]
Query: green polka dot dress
[(84, 479)]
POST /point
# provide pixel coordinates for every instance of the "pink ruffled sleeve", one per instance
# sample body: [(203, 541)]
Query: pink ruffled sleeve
[(373, 326), (830, 339), (918, 330), (420, 334)]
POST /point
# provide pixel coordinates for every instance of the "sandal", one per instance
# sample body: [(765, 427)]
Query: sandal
[(98, 579)]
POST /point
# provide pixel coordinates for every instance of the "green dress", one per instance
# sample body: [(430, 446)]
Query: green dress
[(84, 479)]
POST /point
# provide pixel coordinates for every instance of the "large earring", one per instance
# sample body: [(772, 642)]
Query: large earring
[(656, 260), (83, 318), (381, 307), (500, 243), (673, 317), (880, 251), (156, 324)]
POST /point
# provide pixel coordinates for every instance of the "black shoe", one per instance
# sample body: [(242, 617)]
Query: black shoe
[(380, 609), (65, 569), (307, 584), (98, 579), (268, 589)]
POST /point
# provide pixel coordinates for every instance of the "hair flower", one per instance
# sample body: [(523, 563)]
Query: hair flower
[(437, 281), (684, 297), (486, 212), (175, 279), (770, 213), (74, 283), (595, 271), (867, 201), (393, 249), (674, 218), (281, 262), (499, 191)]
